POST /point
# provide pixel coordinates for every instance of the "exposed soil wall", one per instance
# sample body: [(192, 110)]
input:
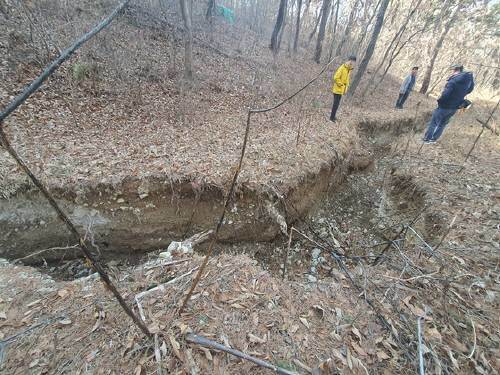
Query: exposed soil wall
[(147, 214)]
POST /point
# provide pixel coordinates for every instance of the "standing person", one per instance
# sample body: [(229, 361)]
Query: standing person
[(341, 80), (457, 87), (407, 87)]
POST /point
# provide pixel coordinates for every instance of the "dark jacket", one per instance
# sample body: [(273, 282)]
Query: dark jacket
[(457, 87)]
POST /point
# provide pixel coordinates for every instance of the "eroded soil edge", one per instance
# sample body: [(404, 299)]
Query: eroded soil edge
[(143, 215)]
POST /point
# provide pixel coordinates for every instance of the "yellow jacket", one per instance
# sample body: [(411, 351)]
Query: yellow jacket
[(341, 79)]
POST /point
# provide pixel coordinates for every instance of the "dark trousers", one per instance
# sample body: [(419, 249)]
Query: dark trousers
[(336, 103), (402, 99), (440, 118)]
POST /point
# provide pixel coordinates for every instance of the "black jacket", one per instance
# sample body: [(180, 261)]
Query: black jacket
[(457, 87)]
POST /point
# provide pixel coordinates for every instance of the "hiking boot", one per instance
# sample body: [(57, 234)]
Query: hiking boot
[(428, 141)]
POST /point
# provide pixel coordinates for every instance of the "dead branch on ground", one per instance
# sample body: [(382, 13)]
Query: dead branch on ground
[(19, 100), (230, 194), (202, 341), (492, 113)]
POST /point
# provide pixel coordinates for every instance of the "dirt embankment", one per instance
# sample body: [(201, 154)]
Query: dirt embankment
[(141, 215)]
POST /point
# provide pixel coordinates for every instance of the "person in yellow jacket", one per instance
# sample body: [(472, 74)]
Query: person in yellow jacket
[(341, 80)]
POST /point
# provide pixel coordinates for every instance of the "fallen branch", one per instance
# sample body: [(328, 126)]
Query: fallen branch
[(158, 354), (431, 250), (492, 113), (490, 128), (203, 341), (428, 275), (158, 288), (166, 264), (287, 252), (20, 99), (446, 233), (66, 54), (403, 229), (421, 364), (44, 251), (475, 340), (230, 194)]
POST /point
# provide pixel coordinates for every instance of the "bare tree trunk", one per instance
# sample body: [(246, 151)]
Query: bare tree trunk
[(277, 27), (297, 26), (283, 26), (428, 73), (291, 33), (334, 28), (188, 38), (210, 10), (321, 33), (347, 31), (370, 48), (393, 45), (316, 24), (361, 40)]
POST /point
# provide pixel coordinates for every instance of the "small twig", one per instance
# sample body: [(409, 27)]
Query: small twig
[(431, 250), (403, 229), (203, 341), (158, 355), (43, 251), (232, 187), (287, 252), (159, 288), (166, 264), (428, 275), (421, 363), (475, 339), (484, 125), (446, 233)]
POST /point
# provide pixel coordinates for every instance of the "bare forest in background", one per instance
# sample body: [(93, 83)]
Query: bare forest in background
[(388, 37)]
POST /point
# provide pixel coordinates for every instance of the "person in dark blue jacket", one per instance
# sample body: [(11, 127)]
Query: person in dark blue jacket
[(453, 97)]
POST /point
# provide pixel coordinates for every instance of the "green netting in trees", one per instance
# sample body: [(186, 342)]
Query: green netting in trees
[(227, 13)]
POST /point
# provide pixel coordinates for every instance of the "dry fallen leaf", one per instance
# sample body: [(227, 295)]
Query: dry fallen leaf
[(175, 347), (63, 293), (304, 321), (255, 339), (381, 355)]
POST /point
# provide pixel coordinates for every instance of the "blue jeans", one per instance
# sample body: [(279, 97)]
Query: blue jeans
[(402, 99), (440, 118)]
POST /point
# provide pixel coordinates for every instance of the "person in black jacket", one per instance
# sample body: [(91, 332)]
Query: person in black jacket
[(457, 87)]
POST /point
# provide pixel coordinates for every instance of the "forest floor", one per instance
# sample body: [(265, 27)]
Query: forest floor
[(442, 265), (144, 120), (451, 280)]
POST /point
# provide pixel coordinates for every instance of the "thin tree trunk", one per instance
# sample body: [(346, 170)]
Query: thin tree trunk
[(188, 38), (210, 10), (370, 48), (311, 36), (277, 27), (361, 40), (283, 26), (297, 27), (334, 29), (395, 53), (321, 33), (428, 73), (291, 33), (347, 31), (393, 45)]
